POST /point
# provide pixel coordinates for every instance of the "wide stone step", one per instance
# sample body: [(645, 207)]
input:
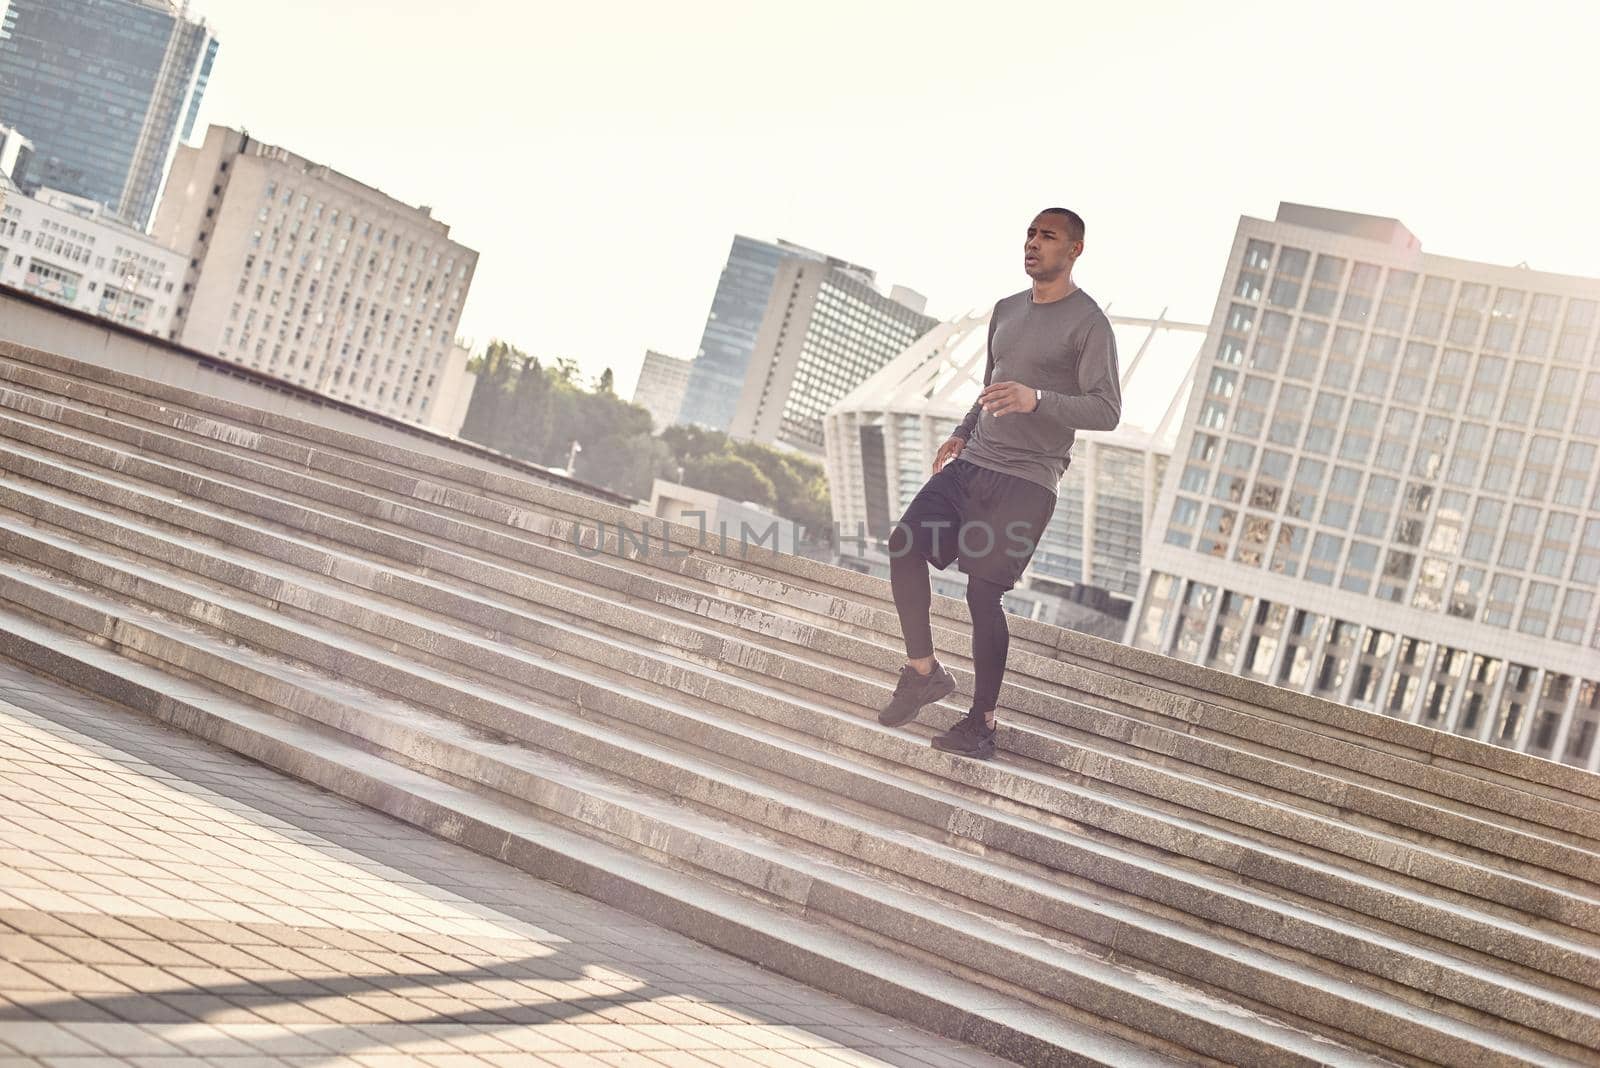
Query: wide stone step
[(1334, 796), (1270, 979), (996, 950), (1167, 785), (552, 633), (1203, 693), (783, 940)]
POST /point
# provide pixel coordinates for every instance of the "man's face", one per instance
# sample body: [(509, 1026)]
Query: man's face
[(1049, 251)]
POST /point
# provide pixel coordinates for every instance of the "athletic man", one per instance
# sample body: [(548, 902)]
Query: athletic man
[(1051, 371)]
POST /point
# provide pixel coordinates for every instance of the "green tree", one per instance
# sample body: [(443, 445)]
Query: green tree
[(496, 371), (731, 476)]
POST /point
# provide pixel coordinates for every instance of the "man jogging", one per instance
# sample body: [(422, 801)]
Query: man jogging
[(1051, 371)]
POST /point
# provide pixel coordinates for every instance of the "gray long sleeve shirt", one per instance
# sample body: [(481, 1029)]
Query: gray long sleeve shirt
[(1065, 348)]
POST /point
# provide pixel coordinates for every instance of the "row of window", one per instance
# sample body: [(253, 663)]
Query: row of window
[(1476, 694), (1440, 576), (1464, 313)]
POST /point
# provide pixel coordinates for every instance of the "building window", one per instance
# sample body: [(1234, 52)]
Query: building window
[(1485, 528), (1299, 642), (1217, 530), (1289, 550), (1576, 468), (1286, 280), (1337, 654), (1467, 594), (1502, 602), (1503, 320), (1308, 478), (1574, 616), (1325, 552)]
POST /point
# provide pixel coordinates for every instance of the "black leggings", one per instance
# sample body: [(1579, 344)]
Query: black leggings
[(913, 600)]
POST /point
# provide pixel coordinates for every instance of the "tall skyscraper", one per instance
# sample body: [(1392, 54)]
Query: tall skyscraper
[(105, 90), (1384, 491), (717, 377), (660, 389), (825, 330), (302, 272)]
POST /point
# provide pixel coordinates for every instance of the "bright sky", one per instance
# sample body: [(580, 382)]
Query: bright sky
[(600, 157)]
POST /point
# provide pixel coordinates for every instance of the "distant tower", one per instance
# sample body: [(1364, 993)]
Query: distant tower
[(105, 90)]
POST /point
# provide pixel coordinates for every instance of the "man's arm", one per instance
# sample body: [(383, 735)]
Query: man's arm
[(964, 431), (1100, 406)]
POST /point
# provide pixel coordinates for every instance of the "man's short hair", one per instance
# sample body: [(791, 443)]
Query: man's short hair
[(1074, 222)]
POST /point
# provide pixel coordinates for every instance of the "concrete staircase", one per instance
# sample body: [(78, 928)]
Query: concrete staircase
[(1165, 866)]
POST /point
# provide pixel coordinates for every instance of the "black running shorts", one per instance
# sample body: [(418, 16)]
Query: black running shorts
[(989, 521)]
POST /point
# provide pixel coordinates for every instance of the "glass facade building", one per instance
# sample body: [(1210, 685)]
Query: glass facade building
[(827, 329), (717, 375), (1385, 492), (105, 90)]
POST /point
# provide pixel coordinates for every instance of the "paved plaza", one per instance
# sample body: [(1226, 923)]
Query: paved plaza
[(164, 902)]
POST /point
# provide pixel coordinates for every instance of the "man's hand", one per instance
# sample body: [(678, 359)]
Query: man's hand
[(1001, 397), (948, 451)]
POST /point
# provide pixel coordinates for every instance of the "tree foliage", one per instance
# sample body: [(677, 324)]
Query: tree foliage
[(526, 409)]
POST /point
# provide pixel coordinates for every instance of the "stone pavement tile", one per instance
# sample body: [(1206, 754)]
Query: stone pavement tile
[(22, 947), (78, 978), (220, 932), (42, 1039), (146, 977), (123, 1039), (158, 953), (49, 1004), (165, 930), (770, 1058), (101, 926), (390, 1060), (35, 923), (410, 1037), (577, 1038), (282, 1012), (686, 1059), (13, 977), (87, 950), (281, 1041), (531, 1060)]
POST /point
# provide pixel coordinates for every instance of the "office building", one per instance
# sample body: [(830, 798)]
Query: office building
[(67, 249), (106, 90), (1387, 493), (826, 329), (663, 380), (882, 438), (303, 273), (717, 377)]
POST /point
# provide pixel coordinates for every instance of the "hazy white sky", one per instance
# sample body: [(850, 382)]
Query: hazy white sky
[(600, 157)]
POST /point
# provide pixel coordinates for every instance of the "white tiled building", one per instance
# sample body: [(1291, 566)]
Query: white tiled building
[(305, 274), (826, 329), (882, 438), (1385, 489), (69, 250)]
